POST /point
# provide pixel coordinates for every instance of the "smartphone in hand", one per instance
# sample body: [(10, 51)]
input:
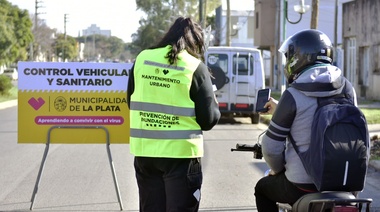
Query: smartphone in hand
[(262, 98)]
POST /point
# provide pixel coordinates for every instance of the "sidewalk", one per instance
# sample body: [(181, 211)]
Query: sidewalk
[(7, 104)]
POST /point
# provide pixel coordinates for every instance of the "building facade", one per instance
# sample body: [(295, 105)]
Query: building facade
[(361, 41), (352, 26), (274, 23), (241, 32), (95, 30)]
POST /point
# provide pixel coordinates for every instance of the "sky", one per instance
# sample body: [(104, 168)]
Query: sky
[(119, 16)]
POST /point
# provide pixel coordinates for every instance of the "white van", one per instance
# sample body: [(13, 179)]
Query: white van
[(239, 74)]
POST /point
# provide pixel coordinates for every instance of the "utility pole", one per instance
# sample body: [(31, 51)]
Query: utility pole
[(314, 14), (64, 43), (276, 54), (35, 28), (228, 25), (202, 12), (93, 44), (336, 32), (36, 14), (282, 79)]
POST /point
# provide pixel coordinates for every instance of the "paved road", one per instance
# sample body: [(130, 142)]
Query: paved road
[(78, 177)]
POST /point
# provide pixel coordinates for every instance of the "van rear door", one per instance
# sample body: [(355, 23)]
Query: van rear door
[(242, 86)]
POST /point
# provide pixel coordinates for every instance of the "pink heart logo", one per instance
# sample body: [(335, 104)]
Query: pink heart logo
[(36, 104)]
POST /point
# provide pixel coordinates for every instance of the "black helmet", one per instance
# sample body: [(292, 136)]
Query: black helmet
[(303, 49)]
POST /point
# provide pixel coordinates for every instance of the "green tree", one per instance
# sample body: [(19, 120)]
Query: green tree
[(66, 47), (160, 14), (109, 47), (5, 85), (15, 33)]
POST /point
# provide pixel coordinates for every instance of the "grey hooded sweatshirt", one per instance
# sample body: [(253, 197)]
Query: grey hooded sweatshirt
[(294, 115)]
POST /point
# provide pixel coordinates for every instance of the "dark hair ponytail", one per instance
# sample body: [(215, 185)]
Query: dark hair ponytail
[(184, 34)]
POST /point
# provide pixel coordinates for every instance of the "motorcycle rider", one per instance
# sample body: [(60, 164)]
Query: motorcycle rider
[(309, 57)]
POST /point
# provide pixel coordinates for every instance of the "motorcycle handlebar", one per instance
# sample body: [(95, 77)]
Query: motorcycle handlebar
[(245, 148), (256, 149)]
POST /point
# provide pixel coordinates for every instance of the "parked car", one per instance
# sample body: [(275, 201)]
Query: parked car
[(11, 73)]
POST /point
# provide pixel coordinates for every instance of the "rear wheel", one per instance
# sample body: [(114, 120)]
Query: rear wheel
[(255, 118)]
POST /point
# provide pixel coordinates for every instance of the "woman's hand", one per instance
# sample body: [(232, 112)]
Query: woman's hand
[(271, 105)]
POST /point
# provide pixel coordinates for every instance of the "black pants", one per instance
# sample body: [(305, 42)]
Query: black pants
[(272, 189), (168, 184)]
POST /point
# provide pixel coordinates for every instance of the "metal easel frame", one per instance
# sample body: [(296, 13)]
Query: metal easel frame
[(47, 150)]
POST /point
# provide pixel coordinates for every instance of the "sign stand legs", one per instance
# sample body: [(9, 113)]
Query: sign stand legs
[(35, 190)]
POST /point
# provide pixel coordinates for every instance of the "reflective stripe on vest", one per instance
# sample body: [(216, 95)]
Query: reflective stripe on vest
[(162, 115), (167, 134), (162, 108)]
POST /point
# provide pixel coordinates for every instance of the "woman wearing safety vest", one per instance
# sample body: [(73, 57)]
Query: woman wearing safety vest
[(171, 101)]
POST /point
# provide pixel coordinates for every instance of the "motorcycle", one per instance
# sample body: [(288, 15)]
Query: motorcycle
[(325, 201)]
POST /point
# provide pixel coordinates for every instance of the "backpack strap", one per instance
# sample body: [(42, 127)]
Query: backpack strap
[(293, 142)]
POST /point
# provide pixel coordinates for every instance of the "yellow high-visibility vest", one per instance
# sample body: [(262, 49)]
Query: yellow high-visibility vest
[(162, 115)]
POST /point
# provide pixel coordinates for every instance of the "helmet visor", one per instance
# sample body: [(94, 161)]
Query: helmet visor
[(285, 46)]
